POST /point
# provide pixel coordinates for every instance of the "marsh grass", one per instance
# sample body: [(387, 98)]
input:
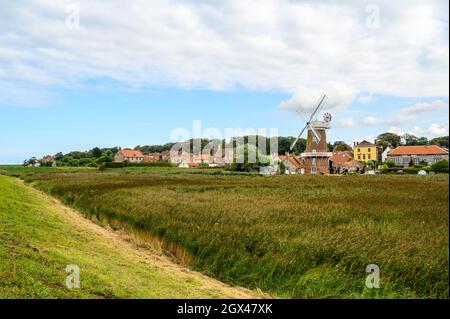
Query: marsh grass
[(295, 236)]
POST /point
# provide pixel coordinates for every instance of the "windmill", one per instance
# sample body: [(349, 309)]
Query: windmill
[(316, 136), (316, 154)]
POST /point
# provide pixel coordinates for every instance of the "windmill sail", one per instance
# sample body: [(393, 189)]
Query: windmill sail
[(316, 136)]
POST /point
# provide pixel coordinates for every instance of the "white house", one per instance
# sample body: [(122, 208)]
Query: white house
[(406, 155)]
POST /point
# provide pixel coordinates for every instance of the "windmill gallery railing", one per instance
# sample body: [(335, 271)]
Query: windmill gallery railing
[(316, 154)]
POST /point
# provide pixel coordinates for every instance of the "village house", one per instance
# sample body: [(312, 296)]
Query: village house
[(292, 164), (187, 162), (366, 151), (412, 155), (202, 158), (131, 156), (165, 156), (338, 161), (352, 166), (152, 157), (48, 160)]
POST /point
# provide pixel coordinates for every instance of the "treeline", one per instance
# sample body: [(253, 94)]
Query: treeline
[(393, 140), (90, 158), (284, 144), (97, 156)]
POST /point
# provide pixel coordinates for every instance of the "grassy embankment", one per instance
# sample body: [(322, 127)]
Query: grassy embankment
[(39, 237), (295, 236)]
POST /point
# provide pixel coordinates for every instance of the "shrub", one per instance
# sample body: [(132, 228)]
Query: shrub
[(441, 166), (390, 164)]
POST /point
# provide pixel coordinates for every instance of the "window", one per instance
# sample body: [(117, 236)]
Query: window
[(364, 156), (359, 150), (359, 156), (369, 149), (369, 154)]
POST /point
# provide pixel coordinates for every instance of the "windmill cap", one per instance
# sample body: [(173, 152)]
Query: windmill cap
[(320, 124)]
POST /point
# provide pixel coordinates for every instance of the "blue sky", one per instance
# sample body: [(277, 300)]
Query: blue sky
[(77, 75)]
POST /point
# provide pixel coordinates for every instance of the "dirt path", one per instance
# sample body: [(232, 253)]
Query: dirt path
[(125, 244)]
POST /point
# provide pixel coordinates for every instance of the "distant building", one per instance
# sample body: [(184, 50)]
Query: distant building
[(165, 156), (339, 160), (202, 158), (152, 157), (131, 156), (406, 155), (352, 166), (188, 162), (273, 169), (292, 164), (366, 151), (48, 160), (385, 154)]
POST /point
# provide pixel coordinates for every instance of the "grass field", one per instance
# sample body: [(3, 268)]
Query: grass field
[(40, 237), (293, 236)]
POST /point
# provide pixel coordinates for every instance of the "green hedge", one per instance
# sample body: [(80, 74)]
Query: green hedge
[(127, 164), (410, 170)]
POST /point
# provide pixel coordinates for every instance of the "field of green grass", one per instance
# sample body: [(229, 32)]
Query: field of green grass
[(293, 236), (39, 238)]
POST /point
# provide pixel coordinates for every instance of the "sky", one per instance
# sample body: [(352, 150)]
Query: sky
[(80, 74)]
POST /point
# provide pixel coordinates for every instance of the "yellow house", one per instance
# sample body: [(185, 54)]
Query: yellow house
[(366, 151)]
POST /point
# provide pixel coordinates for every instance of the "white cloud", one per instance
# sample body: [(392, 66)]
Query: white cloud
[(365, 99), (346, 122), (305, 99), (396, 130), (433, 130), (437, 129), (370, 120), (407, 115), (281, 45), (424, 107)]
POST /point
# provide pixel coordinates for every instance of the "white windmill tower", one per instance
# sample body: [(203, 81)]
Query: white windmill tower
[(316, 155)]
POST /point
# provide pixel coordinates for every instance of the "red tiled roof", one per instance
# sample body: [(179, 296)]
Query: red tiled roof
[(352, 164), (418, 150), (341, 157), (131, 153), (294, 160)]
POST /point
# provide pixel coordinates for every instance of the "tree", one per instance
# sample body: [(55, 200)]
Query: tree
[(441, 141), (341, 146), (422, 141), (96, 152), (58, 156), (411, 140), (390, 164), (248, 164), (441, 166), (31, 161), (284, 145), (388, 139)]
